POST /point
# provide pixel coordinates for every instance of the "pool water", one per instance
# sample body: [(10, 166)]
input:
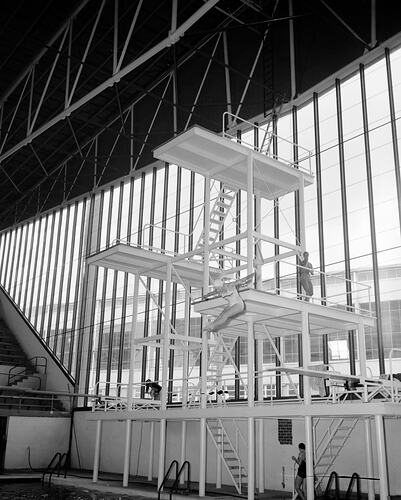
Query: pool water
[(36, 491)]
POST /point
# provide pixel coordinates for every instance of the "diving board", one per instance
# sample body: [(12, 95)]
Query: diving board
[(150, 263), (220, 158), (318, 373)]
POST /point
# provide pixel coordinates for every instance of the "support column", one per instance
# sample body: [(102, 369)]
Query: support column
[(202, 458), (251, 458), (96, 458), (132, 344), (310, 482), (151, 450), (301, 209), (162, 451), (183, 447), (366, 421), (369, 458), (251, 404), (249, 214), (310, 487), (258, 256), (206, 235), (306, 354), (260, 426), (164, 379), (381, 457), (127, 452)]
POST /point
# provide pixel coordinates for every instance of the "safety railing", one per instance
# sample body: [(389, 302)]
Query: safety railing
[(113, 396), (340, 292), (284, 150)]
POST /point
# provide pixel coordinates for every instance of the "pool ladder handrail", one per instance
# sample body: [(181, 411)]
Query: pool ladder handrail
[(55, 466), (178, 473)]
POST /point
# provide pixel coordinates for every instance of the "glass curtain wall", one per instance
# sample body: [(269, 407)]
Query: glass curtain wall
[(353, 214)]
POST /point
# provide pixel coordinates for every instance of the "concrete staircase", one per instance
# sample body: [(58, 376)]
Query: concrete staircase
[(18, 375)]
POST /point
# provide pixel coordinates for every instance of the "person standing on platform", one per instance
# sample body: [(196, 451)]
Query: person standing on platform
[(305, 272), (153, 389), (301, 473)]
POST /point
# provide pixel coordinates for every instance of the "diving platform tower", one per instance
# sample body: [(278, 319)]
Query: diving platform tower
[(269, 313)]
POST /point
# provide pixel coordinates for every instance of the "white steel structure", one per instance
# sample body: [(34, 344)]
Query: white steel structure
[(268, 314)]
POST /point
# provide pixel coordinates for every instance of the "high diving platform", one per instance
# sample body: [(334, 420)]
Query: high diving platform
[(225, 160), (128, 258), (282, 316), (232, 287)]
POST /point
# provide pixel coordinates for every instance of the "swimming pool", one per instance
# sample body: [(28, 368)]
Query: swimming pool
[(36, 491)]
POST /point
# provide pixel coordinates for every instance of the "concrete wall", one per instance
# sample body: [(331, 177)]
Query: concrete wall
[(43, 435), (57, 379), (278, 465)]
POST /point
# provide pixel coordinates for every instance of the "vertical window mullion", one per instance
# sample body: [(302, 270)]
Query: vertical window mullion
[(69, 279), (14, 235), (375, 263), (80, 284), (323, 292), (61, 284), (18, 272), (55, 272), (25, 272), (40, 329), (5, 264), (162, 246), (115, 281), (174, 294), (38, 277), (94, 285), (394, 132), (351, 333), (103, 300)]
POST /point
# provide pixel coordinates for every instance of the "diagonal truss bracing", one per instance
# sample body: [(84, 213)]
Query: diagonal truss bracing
[(119, 73)]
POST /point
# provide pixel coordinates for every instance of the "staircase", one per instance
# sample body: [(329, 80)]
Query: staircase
[(331, 444), (11, 353), (218, 216), (228, 454), (19, 374)]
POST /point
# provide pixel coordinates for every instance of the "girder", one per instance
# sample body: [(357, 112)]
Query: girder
[(132, 74)]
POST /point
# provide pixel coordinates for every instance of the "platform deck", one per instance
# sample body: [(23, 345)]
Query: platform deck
[(153, 264), (283, 315), (219, 158)]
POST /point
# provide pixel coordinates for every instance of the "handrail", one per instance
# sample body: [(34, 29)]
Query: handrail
[(174, 487), (53, 466), (308, 153), (333, 476), (354, 477), (166, 476), (25, 370)]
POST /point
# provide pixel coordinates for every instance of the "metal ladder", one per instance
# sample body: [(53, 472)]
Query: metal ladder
[(228, 453)]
